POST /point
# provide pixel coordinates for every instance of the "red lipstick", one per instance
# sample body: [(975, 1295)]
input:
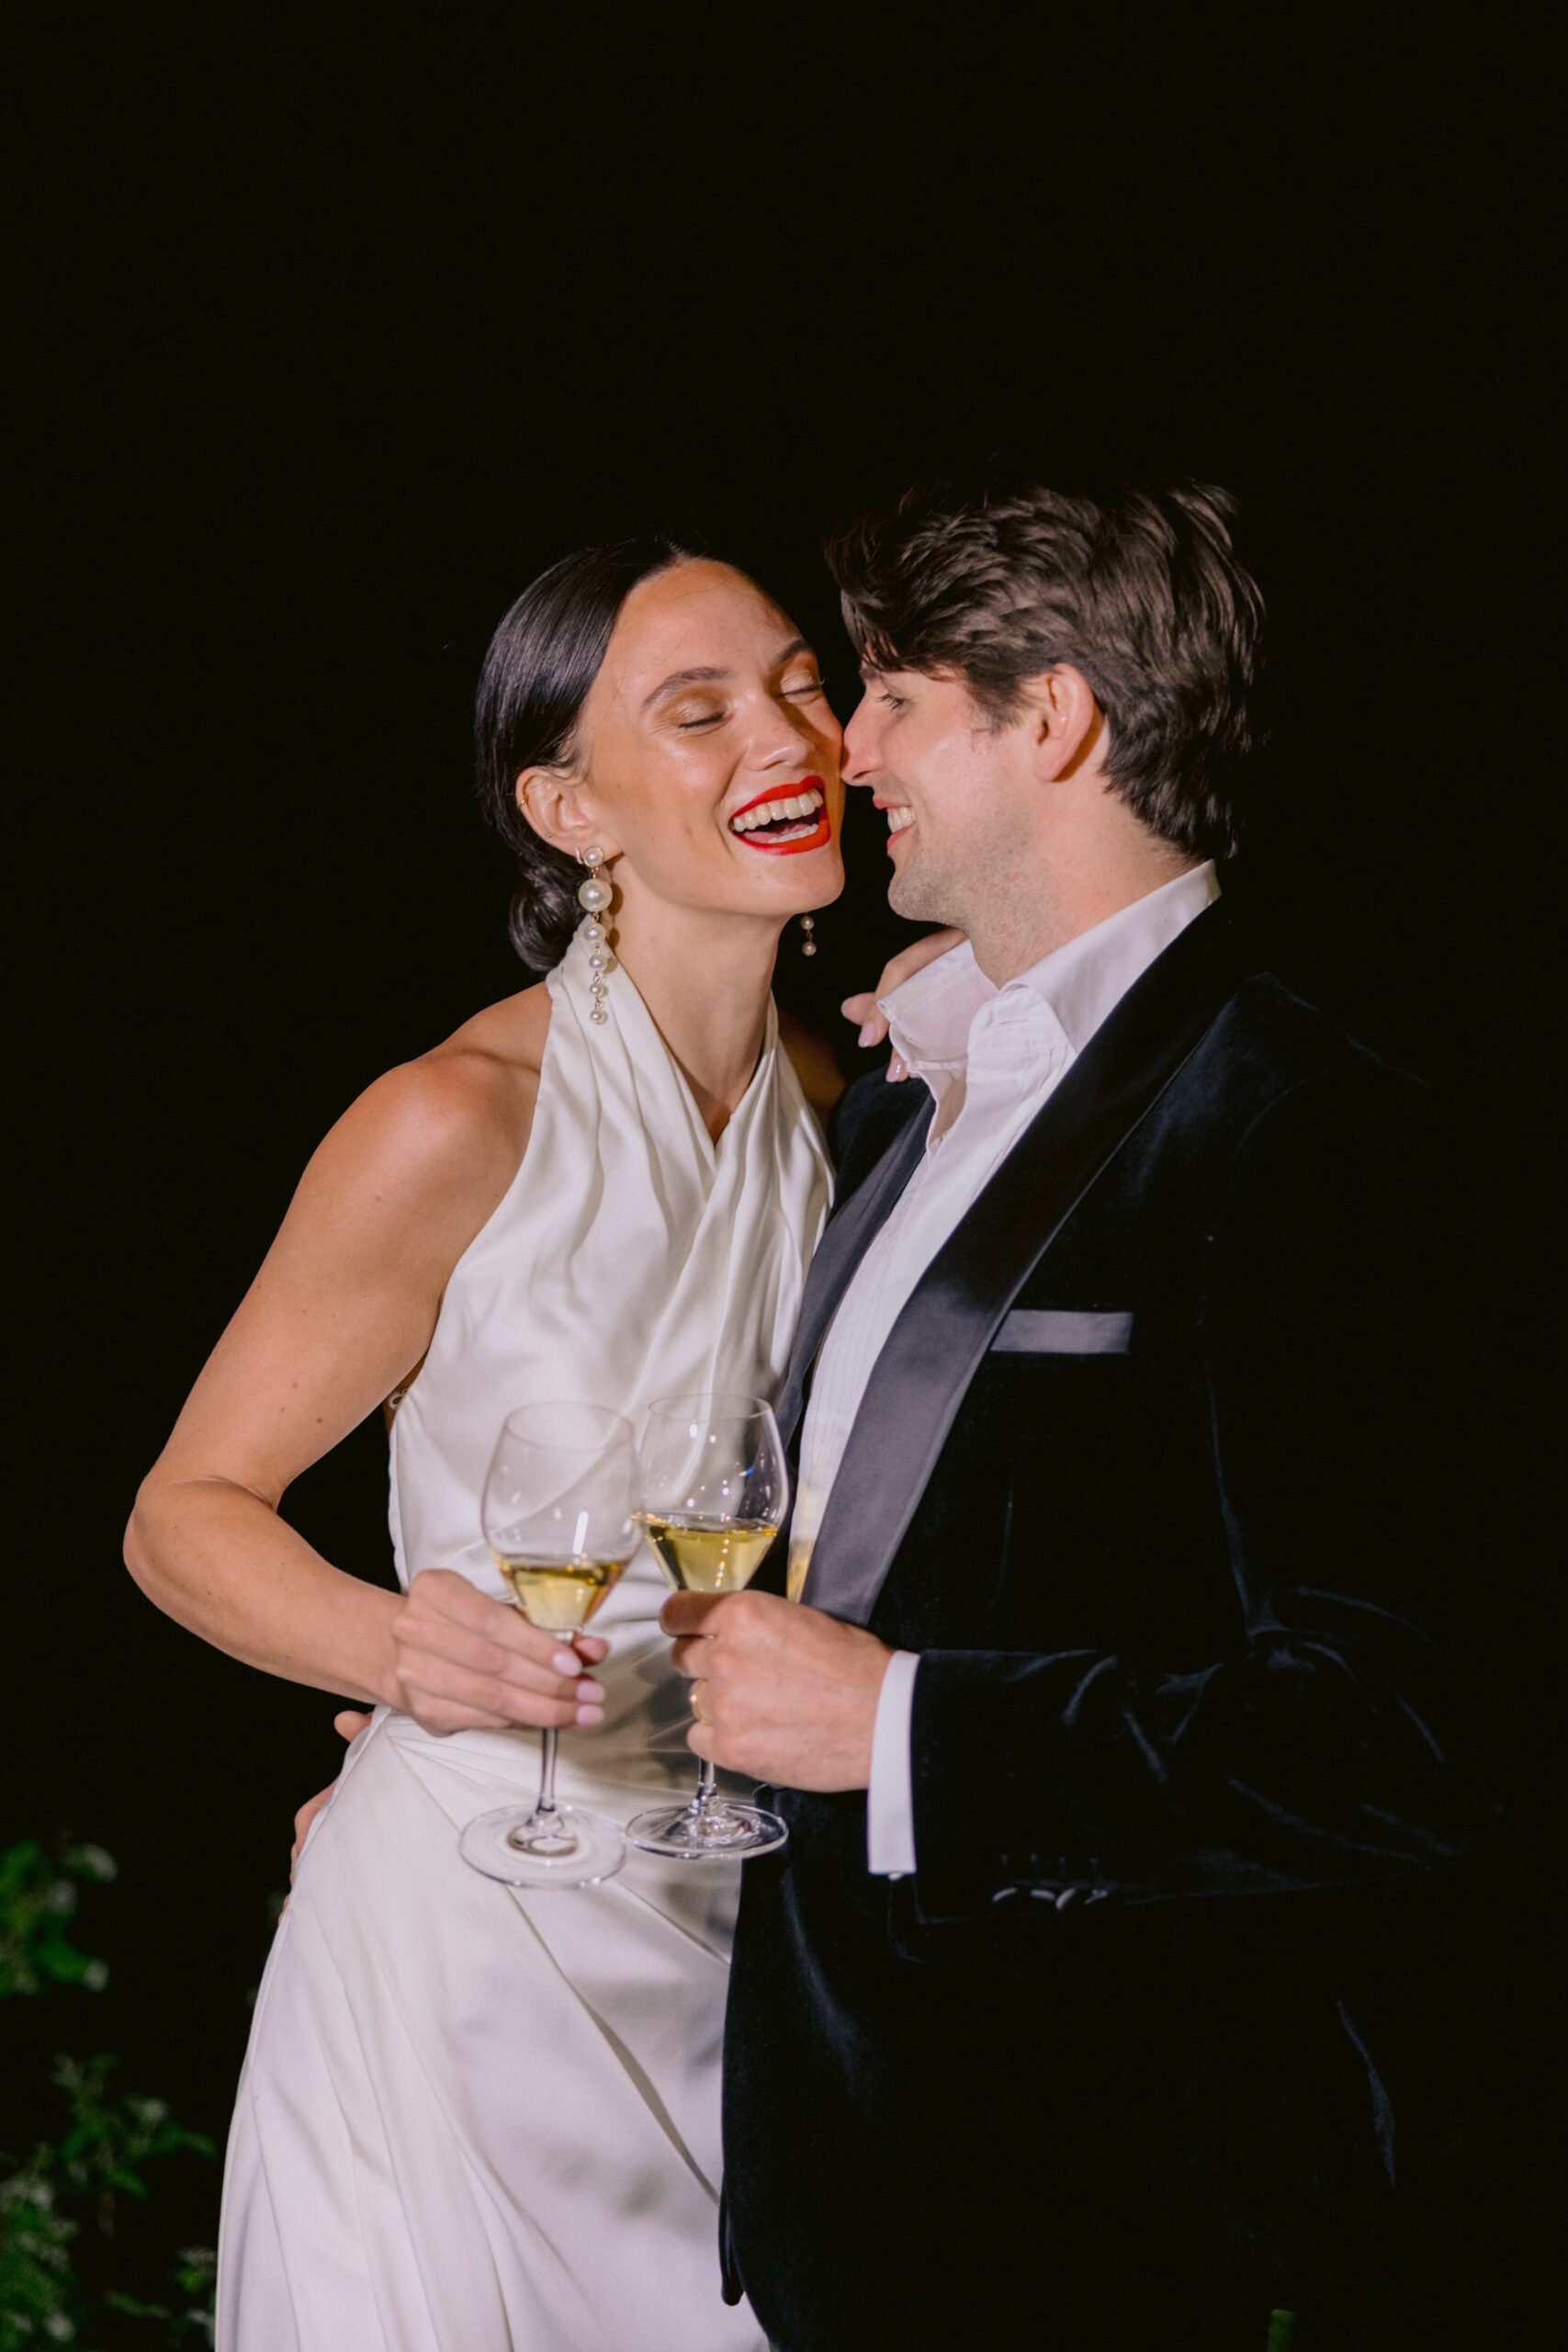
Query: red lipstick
[(821, 832)]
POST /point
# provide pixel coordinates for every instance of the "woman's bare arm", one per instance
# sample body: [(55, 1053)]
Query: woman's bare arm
[(344, 1303)]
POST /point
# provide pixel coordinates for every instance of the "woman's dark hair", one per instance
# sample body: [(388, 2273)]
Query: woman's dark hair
[(1142, 591), (542, 660)]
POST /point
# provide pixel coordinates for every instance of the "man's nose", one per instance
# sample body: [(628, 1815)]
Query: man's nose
[(860, 759)]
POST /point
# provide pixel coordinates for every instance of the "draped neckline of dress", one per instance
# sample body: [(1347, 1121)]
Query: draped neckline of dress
[(629, 1006)]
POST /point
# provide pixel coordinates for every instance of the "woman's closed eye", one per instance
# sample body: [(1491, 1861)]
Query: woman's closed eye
[(800, 690)]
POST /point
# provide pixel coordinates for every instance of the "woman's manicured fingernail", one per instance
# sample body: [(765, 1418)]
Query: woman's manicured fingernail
[(567, 1662), (589, 1716), (897, 1068), (868, 1035)]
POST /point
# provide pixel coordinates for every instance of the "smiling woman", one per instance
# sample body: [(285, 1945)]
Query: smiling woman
[(605, 1187), (595, 720)]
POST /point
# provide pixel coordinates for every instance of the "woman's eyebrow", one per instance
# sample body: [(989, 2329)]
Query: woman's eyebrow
[(708, 677), (682, 678)]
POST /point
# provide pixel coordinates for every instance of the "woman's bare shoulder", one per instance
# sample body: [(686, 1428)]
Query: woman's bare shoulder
[(503, 1042), (448, 1130)]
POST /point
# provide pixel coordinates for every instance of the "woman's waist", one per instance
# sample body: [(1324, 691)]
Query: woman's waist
[(591, 1766), (640, 1746)]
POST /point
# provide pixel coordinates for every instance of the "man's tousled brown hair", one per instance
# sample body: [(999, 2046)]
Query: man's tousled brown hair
[(1142, 593)]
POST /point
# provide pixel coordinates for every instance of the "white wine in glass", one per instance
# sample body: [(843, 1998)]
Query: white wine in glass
[(558, 1595), (712, 1490), (709, 1555), (557, 1518)]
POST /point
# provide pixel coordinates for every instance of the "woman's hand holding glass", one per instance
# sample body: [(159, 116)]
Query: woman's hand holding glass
[(557, 1514), (464, 1661)]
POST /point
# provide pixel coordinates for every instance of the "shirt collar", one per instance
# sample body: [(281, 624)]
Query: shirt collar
[(930, 1016)]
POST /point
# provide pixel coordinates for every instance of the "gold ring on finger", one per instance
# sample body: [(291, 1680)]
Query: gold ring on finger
[(697, 1704)]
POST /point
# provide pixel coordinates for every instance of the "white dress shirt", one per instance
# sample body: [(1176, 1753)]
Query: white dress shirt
[(991, 1058)]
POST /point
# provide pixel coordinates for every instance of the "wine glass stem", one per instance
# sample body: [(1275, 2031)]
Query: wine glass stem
[(707, 1783), (546, 1799)]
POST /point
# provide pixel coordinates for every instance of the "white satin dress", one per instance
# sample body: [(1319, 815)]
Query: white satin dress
[(473, 2118)]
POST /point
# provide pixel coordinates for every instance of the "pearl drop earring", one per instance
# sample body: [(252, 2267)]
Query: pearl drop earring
[(807, 945), (593, 895)]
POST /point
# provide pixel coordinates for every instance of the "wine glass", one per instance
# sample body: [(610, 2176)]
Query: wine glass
[(713, 1489), (557, 1518)]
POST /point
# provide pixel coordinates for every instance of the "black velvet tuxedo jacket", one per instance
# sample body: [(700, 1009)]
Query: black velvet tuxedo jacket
[(1152, 1471)]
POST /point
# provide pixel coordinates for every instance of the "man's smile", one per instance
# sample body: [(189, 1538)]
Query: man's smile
[(900, 817)]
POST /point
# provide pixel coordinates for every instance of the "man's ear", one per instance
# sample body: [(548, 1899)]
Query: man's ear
[(552, 802), (1068, 724)]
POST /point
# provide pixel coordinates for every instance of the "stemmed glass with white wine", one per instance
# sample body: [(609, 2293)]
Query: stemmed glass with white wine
[(712, 1492), (557, 1518)]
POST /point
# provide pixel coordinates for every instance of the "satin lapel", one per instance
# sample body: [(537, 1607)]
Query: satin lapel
[(935, 1347), (840, 1252)]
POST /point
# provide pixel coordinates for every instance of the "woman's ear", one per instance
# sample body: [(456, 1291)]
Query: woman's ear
[(552, 802)]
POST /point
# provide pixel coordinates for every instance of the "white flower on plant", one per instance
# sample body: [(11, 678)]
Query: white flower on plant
[(94, 1861)]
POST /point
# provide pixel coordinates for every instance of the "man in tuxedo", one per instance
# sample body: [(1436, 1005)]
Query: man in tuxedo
[(1111, 1707)]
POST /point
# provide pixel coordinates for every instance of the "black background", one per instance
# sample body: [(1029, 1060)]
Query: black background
[(334, 329)]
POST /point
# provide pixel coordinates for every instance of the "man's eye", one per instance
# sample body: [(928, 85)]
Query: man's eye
[(894, 702)]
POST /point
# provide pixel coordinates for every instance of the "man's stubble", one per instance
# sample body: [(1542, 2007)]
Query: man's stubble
[(972, 891)]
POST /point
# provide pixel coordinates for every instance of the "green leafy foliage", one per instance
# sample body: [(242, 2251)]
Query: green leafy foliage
[(38, 1903), (63, 2258)]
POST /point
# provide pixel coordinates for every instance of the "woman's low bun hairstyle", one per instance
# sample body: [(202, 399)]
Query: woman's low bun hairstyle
[(541, 663)]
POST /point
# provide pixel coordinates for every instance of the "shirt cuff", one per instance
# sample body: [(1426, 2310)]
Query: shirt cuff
[(890, 1799)]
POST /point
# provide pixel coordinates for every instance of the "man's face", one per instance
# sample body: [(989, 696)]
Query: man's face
[(956, 789)]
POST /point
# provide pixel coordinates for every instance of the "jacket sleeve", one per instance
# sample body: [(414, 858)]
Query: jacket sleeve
[(1326, 1745)]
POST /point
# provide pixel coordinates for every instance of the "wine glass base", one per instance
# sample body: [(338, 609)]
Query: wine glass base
[(575, 1849), (719, 1832)]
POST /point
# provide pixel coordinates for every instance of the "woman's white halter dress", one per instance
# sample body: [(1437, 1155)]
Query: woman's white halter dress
[(473, 2118)]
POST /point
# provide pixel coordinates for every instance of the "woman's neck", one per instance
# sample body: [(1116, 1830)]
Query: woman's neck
[(706, 979)]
